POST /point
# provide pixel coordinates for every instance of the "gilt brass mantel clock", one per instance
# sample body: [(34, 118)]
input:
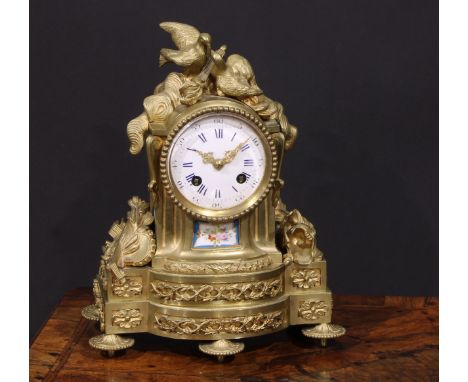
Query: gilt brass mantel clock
[(214, 255)]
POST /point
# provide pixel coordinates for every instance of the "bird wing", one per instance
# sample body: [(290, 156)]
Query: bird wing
[(183, 35), (181, 58)]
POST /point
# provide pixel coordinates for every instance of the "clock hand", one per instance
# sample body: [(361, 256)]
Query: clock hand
[(207, 157), (218, 164), (231, 154)]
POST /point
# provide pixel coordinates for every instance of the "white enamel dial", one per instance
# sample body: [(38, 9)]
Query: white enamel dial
[(217, 161)]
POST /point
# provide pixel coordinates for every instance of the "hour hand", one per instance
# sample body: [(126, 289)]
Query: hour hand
[(206, 157)]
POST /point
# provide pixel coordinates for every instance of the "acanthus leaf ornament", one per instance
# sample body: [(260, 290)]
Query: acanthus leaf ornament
[(299, 239), (134, 243), (214, 268)]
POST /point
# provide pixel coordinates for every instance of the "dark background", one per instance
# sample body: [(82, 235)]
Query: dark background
[(358, 79)]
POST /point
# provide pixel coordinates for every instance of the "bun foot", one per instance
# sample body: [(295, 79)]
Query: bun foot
[(90, 312), (323, 332), (221, 348), (110, 343)]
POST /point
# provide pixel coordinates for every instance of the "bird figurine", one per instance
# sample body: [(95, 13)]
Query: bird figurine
[(193, 47), (237, 79)]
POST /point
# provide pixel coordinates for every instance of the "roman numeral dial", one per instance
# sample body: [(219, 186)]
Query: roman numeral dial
[(218, 161)]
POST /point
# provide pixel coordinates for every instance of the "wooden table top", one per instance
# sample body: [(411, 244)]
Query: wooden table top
[(387, 339)]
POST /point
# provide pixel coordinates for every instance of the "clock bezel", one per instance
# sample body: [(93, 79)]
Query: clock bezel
[(220, 107)]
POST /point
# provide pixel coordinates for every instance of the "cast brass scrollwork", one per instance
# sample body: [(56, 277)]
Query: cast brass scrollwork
[(207, 326), (298, 236), (205, 73), (217, 268), (177, 292), (134, 243)]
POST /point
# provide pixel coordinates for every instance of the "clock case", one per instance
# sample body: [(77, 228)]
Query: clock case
[(151, 278)]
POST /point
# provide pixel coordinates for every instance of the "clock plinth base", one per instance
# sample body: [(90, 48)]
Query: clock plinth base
[(196, 307), (222, 348)]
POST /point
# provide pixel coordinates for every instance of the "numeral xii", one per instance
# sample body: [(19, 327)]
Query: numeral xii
[(219, 133)]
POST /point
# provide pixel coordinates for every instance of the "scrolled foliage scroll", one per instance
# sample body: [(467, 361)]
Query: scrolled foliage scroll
[(173, 292), (298, 239), (209, 326), (217, 268)]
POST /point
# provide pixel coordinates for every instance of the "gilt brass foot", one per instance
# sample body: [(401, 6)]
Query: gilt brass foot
[(221, 348), (90, 312), (323, 332), (110, 343)]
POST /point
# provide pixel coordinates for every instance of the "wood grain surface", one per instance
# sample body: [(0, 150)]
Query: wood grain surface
[(388, 339)]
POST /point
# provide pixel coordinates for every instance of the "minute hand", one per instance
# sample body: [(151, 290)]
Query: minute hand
[(231, 154)]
